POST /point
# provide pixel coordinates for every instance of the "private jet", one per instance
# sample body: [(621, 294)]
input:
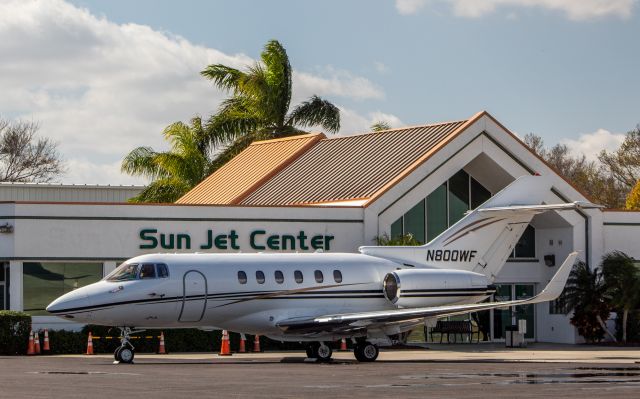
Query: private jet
[(374, 297)]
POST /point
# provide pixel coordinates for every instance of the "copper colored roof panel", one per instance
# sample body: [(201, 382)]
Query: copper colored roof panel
[(352, 167), (248, 170)]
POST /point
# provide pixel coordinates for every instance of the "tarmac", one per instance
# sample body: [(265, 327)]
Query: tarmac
[(463, 371)]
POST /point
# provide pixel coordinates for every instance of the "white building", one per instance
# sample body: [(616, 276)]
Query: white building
[(311, 192)]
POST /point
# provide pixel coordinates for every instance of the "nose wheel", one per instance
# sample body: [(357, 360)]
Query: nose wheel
[(125, 352)]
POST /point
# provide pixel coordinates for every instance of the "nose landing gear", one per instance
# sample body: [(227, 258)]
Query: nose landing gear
[(125, 352)]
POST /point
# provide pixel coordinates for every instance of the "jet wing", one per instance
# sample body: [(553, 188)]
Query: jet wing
[(342, 323)]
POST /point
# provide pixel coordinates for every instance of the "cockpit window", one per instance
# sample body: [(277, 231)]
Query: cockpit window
[(163, 271), (148, 270), (124, 272)]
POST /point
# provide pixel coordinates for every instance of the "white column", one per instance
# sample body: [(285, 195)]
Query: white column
[(15, 289), (108, 267)]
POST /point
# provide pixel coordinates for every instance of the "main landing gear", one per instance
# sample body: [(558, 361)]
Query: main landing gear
[(320, 351), (125, 352), (366, 351)]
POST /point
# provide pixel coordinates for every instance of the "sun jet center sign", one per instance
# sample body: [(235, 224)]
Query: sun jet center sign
[(257, 239)]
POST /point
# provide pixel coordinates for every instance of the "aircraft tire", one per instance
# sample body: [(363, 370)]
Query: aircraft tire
[(312, 350), (116, 354), (126, 355), (323, 353), (366, 352)]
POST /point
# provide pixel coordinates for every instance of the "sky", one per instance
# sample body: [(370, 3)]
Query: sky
[(102, 77)]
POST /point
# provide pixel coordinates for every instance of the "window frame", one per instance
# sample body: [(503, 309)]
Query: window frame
[(298, 276), (337, 276), (260, 277), (242, 280), (280, 279), (318, 276)]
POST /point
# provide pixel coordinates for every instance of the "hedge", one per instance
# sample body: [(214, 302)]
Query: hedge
[(14, 332)]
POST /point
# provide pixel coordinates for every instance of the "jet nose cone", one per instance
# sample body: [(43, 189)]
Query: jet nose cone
[(72, 301)]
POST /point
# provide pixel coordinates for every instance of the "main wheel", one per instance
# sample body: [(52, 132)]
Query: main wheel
[(324, 353), (312, 350), (126, 355), (366, 352)]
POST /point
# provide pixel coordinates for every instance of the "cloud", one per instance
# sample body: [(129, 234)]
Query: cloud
[(380, 67), (573, 9), (353, 122), (590, 144), (100, 88)]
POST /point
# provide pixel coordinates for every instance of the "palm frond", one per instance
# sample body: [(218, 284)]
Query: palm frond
[(315, 112), (141, 162), (279, 79), (165, 190), (224, 77)]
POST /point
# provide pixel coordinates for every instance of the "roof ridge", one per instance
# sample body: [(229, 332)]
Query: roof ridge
[(296, 137), (395, 129)]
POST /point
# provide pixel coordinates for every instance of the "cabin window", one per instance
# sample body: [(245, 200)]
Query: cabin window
[(279, 277), (318, 275), (242, 277), (163, 270), (260, 277), (147, 270), (298, 276), (124, 272), (337, 276)]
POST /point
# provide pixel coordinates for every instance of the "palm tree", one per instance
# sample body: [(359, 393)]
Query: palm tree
[(380, 126), (623, 284), (172, 172), (586, 294), (259, 106)]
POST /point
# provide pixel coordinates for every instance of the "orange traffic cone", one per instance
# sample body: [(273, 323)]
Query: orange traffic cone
[(343, 344), (90, 344), (36, 341), (45, 347), (161, 349), (256, 343), (31, 348), (243, 344), (225, 348)]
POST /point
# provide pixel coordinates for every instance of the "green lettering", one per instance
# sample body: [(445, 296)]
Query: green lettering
[(302, 239), (233, 237), (291, 240), (165, 245), (186, 239), (317, 242), (221, 241), (252, 239), (153, 242), (273, 242), (327, 242), (209, 243)]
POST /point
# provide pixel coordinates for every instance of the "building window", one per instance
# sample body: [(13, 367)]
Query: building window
[(44, 282), (318, 275), (260, 277), (437, 221), (297, 275), (526, 246), (279, 277), (414, 222), (337, 276), (479, 194), (396, 228), (559, 305), (458, 196), (242, 277)]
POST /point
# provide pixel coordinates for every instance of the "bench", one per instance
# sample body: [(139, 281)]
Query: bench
[(455, 327)]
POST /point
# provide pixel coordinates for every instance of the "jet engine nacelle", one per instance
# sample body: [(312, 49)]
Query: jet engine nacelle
[(411, 288)]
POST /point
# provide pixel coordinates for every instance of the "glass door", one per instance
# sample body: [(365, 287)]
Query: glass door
[(501, 317), (3, 285), (506, 317), (525, 291)]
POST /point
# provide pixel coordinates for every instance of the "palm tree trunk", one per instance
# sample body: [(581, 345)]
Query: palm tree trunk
[(604, 327), (625, 315)]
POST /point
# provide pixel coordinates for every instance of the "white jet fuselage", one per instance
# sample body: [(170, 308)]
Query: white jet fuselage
[(209, 290)]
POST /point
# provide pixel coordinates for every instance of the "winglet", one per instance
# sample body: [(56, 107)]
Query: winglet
[(557, 283)]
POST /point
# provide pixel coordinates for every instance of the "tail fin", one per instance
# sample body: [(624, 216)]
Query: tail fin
[(483, 240)]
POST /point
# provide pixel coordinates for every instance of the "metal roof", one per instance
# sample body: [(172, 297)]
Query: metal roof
[(249, 169), (352, 167)]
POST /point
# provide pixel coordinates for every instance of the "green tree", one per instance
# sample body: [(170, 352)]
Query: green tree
[(172, 172), (591, 177), (380, 126), (624, 163), (622, 280), (406, 239), (586, 295), (633, 199), (259, 106)]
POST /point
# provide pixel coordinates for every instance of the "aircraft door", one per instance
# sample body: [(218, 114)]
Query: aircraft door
[(194, 299)]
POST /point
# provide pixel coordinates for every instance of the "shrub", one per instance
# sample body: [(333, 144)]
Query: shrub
[(14, 332)]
